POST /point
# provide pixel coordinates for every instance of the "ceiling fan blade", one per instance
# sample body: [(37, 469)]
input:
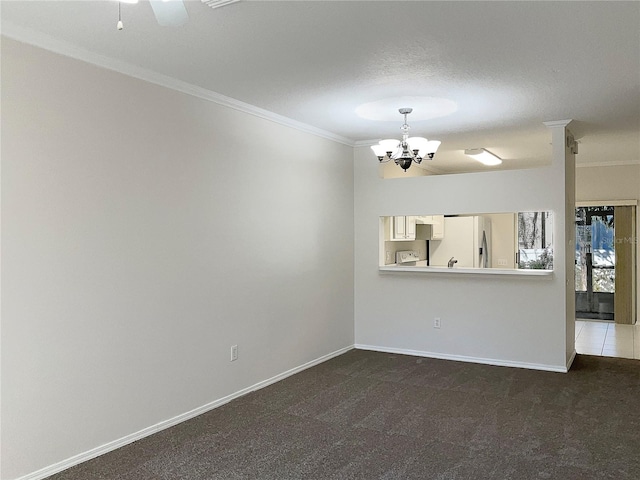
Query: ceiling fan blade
[(170, 13)]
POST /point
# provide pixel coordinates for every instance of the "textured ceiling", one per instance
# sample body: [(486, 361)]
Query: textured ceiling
[(508, 66)]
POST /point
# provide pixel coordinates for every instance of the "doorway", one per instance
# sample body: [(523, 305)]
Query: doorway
[(595, 262), (605, 263)]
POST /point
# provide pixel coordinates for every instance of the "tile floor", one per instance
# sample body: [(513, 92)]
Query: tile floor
[(607, 339)]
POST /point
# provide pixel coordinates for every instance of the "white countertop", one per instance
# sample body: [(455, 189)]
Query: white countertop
[(421, 267)]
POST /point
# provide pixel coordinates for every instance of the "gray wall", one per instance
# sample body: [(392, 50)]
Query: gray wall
[(144, 232)]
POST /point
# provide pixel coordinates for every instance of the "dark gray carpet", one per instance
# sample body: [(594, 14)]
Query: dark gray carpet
[(367, 415)]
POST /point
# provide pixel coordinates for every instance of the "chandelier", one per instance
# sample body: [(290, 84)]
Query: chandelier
[(408, 150)]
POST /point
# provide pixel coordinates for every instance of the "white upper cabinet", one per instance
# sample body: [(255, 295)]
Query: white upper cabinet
[(403, 228), (434, 229)]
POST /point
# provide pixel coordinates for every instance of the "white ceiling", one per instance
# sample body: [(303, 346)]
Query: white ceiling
[(508, 66)]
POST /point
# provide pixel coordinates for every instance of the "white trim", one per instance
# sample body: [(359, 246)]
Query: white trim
[(462, 358), (145, 432), (619, 163), (608, 203), (365, 143), (571, 359), (558, 123), (467, 270), (61, 47)]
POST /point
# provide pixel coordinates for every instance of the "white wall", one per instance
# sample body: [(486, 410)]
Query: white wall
[(498, 319), (144, 232), (618, 182)]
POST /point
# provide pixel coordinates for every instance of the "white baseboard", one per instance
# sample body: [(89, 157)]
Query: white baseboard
[(145, 432), (462, 358), (571, 359)]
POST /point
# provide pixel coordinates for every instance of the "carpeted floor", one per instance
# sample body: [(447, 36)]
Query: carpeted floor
[(367, 415)]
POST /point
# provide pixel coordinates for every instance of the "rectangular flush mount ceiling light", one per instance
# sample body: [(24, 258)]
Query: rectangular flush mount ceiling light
[(483, 156)]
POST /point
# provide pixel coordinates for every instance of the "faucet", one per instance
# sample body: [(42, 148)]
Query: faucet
[(452, 261)]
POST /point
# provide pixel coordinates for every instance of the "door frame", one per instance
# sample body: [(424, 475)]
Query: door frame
[(635, 288)]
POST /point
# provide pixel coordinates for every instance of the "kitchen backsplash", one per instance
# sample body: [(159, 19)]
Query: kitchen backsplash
[(391, 248)]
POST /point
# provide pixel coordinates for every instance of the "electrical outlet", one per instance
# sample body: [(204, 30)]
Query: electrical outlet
[(234, 352), (436, 322), (388, 258)]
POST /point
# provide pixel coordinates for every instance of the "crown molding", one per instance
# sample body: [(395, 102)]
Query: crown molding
[(47, 42), (558, 123), (365, 143)]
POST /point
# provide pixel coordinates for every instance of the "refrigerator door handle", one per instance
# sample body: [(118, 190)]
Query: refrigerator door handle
[(484, 251)]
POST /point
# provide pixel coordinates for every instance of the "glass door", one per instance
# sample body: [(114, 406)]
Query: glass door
[(595, 262)]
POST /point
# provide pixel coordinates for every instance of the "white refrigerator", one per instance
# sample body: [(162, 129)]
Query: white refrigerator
[(466, 239)]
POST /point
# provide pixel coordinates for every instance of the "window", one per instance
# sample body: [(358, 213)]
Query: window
[(535, 244)]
